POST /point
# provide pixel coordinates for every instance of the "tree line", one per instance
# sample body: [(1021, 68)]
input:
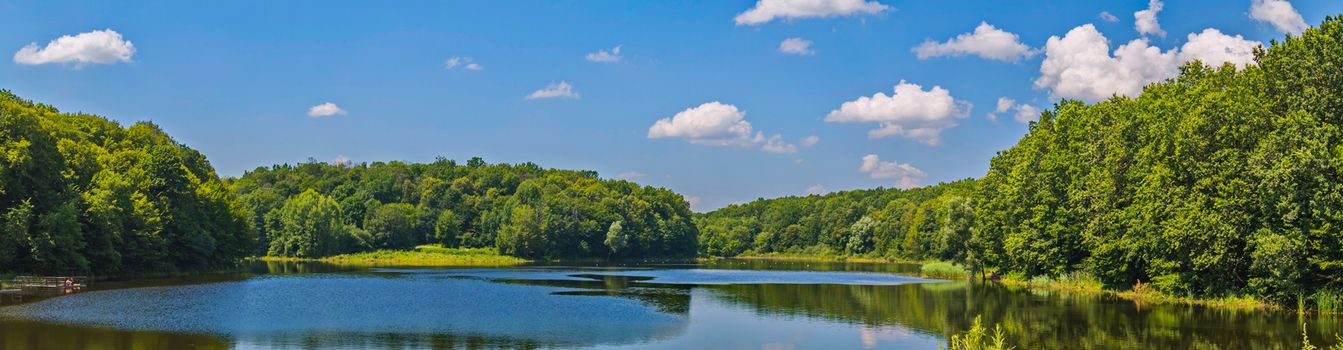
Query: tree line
[(317, 209), (1221, 180), (80, 193)]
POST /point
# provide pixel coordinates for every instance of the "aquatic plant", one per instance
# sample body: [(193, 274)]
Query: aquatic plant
[(977, 339)]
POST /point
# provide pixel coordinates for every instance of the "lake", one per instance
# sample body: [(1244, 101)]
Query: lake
[(728, 304)]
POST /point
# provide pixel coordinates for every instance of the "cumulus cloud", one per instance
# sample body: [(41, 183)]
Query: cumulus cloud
[(796, 46), (631, 175), (986, 41), (776, 144), (816, 189), (96, 47), (713, 123), (1004, 104), (1214, 48), (907, 176), (767, 10), (1145, 20), (555, 90), (1079, 65), (720, 124), (1106, 16), (605, 56), (1280, 14), (463, 63), (909, 112), (325, 110), (1024, 113), (340, 160), (692, 200)]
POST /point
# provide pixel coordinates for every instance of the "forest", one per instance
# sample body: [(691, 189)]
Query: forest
[(318, 209), (81, 194), (1223, 180)]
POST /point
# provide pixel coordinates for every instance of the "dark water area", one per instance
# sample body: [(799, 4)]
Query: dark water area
[(728, 304)]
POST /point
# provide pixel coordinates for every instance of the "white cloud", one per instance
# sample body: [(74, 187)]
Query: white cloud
[(986, 41), (810, 141), (1214, 48), (907, 176), (776, 144), (1004, 104), (816, 189), (555, 90), (1079, 65), (713, 123), (463, 62), (1024, 113), (1280, 14), (798, 161), (767, 10), (630, 175), (1106, 16), (1145, 20), (339, 160), (692, 200), (796, 46), (96, 47), (604, 56), (325, 110), (910, 112)]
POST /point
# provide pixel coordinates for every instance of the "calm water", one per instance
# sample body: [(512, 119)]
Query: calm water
[(733, 304)]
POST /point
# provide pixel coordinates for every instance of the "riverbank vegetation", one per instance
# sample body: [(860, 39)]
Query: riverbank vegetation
[(1223, 183), (422, 256)]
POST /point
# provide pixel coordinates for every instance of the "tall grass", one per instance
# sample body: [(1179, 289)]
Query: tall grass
[(1327, 301), (1073, 281), (427, 255), (977, 338), (943, 269)]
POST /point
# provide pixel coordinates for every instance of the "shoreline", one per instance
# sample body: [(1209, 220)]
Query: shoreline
[(1142, 295)]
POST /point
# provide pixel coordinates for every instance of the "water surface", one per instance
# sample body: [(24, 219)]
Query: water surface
[(731, 304)]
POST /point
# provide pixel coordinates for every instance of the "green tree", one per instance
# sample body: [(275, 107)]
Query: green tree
[(616, 239), (308, 226)]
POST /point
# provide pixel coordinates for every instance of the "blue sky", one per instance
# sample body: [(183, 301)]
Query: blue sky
[(236, 80)]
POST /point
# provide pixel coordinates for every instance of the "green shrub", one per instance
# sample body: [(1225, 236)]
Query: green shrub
[(943, 269)]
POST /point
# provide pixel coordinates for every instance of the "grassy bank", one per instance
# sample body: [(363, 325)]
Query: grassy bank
[(1141, 293), (1073, 283), (815, 257), (425, 255)]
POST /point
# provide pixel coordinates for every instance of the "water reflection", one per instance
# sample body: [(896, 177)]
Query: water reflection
[(712, 305)]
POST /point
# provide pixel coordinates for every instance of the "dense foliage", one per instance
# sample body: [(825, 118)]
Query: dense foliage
[(1222, 180), (921, 223), (316, 209), (79, 193)]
